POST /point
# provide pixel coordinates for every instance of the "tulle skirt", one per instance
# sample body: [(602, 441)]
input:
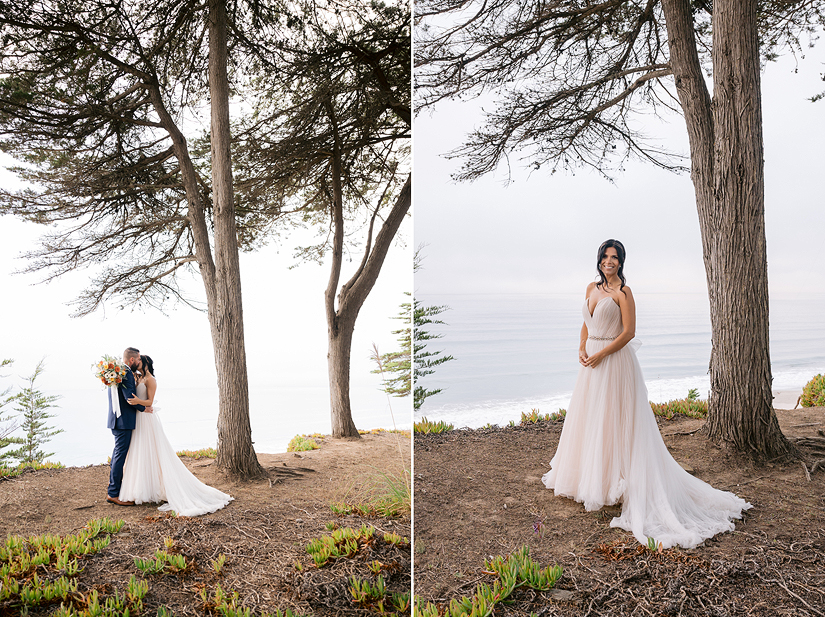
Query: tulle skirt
[(153, 473), (611, 451)]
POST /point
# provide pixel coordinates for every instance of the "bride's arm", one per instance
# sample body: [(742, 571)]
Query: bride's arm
[(151, 387), (628, 307), (585, 333), (583, 345)]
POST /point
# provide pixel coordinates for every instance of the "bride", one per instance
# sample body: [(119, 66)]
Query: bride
[(153, 473), (610, 448)]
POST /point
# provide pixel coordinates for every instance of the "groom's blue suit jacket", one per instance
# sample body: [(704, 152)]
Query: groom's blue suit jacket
[(126, 390)]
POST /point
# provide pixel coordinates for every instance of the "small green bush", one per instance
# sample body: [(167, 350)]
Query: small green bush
[(689, 406), (301, 443), (813, 394)]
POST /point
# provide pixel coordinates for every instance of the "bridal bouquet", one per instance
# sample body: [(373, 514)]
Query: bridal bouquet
[(110, 371)]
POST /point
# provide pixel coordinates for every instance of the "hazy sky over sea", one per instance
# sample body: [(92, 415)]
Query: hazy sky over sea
[(540, 233), (285, 328)]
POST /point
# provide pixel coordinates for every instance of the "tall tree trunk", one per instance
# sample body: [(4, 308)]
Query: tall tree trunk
[(339, 330), (235, 451), (728, 177), (341, 321), (740, 369)]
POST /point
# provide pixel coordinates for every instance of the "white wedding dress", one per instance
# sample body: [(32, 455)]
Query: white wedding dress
[(611, 451), (153, 473)]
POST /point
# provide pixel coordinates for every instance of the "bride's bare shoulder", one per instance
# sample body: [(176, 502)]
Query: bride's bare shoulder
[(627, 295), (590, 287)]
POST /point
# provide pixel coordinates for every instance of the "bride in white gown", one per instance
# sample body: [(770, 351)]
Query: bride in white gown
[(153, 473), (610, 448)]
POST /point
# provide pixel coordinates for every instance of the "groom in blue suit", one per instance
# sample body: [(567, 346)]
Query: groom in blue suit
[(122, 425)]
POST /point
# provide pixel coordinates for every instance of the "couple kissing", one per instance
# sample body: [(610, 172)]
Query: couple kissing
[(145, 467)]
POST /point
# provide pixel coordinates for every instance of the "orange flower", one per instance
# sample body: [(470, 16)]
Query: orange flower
[(111, 365), (118, 380)]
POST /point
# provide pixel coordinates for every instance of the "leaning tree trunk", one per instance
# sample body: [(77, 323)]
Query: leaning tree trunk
[(235, 451), (339, 329), (351, 298), (341, 321), (728, 177)]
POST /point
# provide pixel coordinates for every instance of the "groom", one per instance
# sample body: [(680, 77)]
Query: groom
[(122, 423)]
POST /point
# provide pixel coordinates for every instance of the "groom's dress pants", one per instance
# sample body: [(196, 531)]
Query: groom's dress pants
[(123, 437)]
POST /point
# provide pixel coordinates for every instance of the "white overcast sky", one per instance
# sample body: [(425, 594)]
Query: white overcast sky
[(540, 233), (284, 320)]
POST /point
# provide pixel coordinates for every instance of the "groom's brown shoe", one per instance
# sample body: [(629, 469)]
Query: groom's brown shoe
[(117, 501)]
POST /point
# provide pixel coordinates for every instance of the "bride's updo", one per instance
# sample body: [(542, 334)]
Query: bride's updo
[(620, 253), (148, 365)]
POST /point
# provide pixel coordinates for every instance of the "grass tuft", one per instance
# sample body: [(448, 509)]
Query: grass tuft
[(13, 472), (383, 495), (425, 426), (202, 453), (534, 417)]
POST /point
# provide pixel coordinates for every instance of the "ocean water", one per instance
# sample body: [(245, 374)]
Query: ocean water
[(517, 352), (190, 415)]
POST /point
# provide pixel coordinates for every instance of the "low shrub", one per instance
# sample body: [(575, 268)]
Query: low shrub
[(690, 406), (302, 443), (813, 394)]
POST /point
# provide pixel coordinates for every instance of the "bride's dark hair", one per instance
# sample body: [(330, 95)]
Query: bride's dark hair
[(620, 253), (148, 365)]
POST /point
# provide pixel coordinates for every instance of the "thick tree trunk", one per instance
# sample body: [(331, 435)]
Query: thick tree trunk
[(728, 177), (740, 370), (338, 358), (221, 277), (235, 451)]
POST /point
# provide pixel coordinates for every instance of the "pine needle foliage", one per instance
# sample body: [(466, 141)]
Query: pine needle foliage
[(7, 424), (425, 360), (34, 407), (398, 364)]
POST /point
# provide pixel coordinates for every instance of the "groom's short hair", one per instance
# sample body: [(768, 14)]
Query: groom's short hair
[(131, 352)]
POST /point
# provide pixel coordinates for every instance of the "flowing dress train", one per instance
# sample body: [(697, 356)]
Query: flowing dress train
[(611, 451), (153, 473)]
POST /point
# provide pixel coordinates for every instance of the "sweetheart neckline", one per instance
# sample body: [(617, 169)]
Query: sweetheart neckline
[(587, 304)]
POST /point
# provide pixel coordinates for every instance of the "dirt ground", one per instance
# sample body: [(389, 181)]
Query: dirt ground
[(478, 494), (262, 533)]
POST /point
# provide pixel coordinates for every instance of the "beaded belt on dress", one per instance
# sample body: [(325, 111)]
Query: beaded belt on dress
[(602, 338)]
